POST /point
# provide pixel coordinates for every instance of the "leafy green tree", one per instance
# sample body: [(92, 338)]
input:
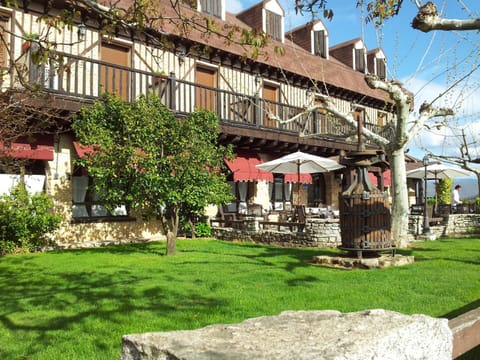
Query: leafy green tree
[(152, 162)]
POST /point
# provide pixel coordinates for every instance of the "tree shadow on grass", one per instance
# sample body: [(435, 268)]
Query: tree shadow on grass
[(40, 307), (157, 248), (293, 257)]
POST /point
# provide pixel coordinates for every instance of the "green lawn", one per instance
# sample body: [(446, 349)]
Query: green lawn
[(78, 304)]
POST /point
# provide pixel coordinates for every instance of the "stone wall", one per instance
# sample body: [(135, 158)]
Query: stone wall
[(454, 225), (322, 233), (328, 335), (325, 233)]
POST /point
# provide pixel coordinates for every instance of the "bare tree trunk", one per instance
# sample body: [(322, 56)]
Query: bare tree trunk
[(192, 228), (399, 227), (171, 243), (172, 229)]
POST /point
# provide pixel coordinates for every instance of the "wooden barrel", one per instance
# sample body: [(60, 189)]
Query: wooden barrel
[(364, 218)]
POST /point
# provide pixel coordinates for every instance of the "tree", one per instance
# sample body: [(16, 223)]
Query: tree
[(151, 162), (465, 139), (378, 10), (404, 127), (398, 134)]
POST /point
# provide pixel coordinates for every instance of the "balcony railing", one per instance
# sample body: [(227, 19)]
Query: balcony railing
[(87, 79)]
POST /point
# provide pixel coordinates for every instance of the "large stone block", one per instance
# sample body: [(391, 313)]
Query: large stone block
[(374, 334)]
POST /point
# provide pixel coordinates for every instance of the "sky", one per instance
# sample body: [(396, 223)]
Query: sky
[(419, 60)]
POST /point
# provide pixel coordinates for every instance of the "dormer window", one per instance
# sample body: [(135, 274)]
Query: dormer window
[(380, 68), (377, 63), (320, 43), (360, 59), (313, 37), (267, 16), (212, 7), (273, 25)]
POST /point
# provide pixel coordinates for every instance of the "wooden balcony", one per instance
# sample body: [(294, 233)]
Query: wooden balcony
[(86, 79)]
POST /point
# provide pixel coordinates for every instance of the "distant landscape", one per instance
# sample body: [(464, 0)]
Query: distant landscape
[(469, 188)]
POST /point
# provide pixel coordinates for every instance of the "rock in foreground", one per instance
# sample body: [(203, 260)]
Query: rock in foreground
[(374, 334)]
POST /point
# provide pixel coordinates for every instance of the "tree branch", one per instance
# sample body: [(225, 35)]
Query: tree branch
[(429, 19)]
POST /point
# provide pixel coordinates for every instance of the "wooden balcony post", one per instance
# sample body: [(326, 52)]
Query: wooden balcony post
[(172, 84), (258, 111)]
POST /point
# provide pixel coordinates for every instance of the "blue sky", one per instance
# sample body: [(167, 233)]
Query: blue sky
[(417, 59)]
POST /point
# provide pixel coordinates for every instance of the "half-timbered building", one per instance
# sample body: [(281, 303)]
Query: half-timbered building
[(254, 96)]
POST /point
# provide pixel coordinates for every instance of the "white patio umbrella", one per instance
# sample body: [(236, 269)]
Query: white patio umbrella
[(437, 171), (300, 163)]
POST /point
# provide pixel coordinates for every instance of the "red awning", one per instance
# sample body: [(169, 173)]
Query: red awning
[(243, 168), (82, 150), (304, 178), (21, 150), (387, 178)]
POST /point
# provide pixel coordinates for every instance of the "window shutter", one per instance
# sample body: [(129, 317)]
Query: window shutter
[(212, 7), (217, 8), (274, 25), (360, 60), (319, 43), (381, 68)]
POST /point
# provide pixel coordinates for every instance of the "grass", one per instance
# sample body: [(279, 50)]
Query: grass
[(77, 304)]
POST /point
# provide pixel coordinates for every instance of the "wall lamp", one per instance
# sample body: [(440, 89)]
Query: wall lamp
[(82, 31), (181, 56), (258, 78)]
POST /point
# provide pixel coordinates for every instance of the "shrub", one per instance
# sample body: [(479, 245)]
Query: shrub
[(26, 221), (202, 229), (444, 190)]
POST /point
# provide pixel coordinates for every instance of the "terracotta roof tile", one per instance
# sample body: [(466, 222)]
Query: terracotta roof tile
[(295, 60)]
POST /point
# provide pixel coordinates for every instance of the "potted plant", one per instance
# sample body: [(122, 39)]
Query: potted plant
[(28, 42), (158, 76)]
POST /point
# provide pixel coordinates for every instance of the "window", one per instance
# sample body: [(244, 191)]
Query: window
[(280, 193), (3, 44), (44, 74), (359, 116), (360, 60), (381, 69), (114, 77), (270, 97), (243, 191), (85, 202), (212, 7), (274, 25), (381, 119), (320, 43), (317, 191), (34, 177), (205, 94)]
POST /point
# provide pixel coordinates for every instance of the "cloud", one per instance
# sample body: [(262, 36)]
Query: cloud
[(235, 6), (446, 140)]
